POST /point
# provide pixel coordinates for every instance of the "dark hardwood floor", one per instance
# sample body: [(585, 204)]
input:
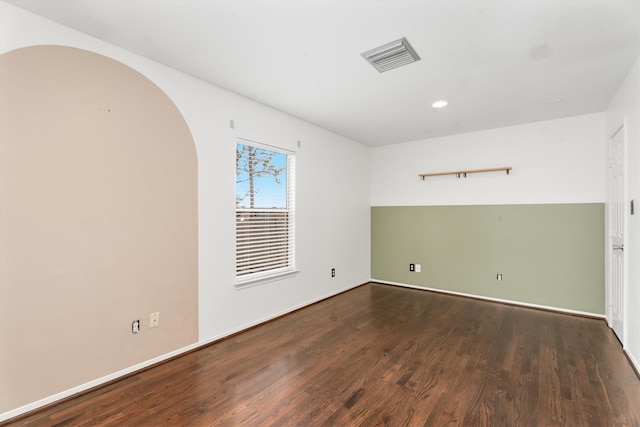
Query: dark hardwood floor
[(382, 355)]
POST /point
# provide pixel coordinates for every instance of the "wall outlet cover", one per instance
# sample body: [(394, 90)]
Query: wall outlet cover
[(154, 320)]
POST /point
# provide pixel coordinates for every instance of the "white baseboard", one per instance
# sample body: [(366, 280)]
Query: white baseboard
[(86, 386), (114, 376), (282, 313), (629, 355), (504, 301), (633, 361)]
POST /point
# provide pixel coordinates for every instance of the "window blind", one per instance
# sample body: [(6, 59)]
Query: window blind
[(265, 215)]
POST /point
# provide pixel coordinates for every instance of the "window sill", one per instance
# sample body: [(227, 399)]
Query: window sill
[(256, 281)]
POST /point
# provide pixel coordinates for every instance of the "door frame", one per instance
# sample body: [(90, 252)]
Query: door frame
[(621, 127)]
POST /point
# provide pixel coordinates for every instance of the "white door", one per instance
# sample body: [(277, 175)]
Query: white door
[(616, 232)]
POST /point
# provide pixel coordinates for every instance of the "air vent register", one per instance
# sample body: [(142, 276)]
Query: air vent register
[(391, 55)]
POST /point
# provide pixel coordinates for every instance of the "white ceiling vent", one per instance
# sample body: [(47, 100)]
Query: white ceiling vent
[(391, 55)]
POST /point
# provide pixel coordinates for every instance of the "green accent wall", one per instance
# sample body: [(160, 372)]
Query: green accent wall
[(548, 254)]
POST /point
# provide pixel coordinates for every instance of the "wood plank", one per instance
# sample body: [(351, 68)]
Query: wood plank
[(381, 355)]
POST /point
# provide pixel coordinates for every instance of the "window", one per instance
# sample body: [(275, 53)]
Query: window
[(265, 215)]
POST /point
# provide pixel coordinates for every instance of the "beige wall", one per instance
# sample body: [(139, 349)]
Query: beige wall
[(98, 221)]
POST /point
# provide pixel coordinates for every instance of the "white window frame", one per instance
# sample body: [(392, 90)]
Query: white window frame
[(252, 279)]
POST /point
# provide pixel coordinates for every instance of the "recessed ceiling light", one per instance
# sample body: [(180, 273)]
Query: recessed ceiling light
[(439, 104)]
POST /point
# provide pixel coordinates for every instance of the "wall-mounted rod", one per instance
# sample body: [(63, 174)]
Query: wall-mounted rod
[(465, 172)]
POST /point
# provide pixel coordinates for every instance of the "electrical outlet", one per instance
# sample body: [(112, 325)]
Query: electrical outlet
[(154, 320), (418, 268), (333, 272), (499, 277), (412, 267), (135, 327)]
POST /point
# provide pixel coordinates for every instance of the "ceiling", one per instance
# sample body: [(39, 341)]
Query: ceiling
[(497, 63)]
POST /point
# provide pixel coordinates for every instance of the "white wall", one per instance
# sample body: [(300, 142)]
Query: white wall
[(625, 108), (333, 225), (556, 161)]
